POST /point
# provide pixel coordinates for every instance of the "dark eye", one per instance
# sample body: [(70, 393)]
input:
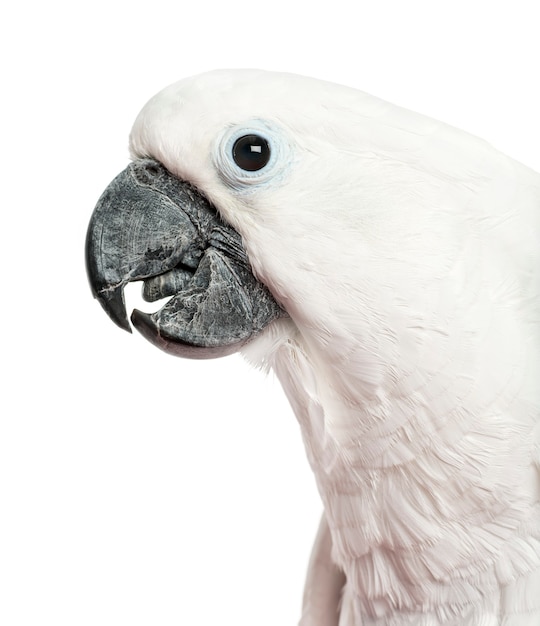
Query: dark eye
[(251, 152)]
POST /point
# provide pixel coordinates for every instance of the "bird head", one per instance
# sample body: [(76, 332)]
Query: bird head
[(254, 197)]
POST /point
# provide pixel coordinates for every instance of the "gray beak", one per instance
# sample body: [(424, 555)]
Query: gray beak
[(150, 226)]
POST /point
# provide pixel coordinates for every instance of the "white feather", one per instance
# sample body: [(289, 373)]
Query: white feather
[(407, 254)]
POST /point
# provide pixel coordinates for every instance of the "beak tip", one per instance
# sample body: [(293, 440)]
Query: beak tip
[(113, 303)]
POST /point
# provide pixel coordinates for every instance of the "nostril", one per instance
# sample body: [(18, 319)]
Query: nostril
[(152, 169), (147, 171)]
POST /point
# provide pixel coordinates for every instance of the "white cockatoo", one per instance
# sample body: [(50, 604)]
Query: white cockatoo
[(387, 267)]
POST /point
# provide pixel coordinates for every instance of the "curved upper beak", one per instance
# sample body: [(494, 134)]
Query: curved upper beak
[(150, 226)]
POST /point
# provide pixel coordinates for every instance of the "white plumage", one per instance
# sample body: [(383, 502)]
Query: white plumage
[(407, 254)]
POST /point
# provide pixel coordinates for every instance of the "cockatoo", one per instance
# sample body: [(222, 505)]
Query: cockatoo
[(386, 266)]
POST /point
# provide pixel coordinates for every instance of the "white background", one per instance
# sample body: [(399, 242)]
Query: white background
[(136, 488)]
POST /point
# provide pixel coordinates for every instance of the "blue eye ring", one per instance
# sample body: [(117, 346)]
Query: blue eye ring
[(269, 165)]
